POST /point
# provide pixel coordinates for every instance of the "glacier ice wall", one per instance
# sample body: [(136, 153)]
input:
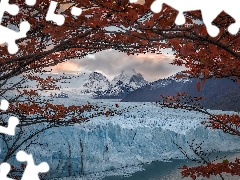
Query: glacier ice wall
[(144, 135), (112, 146)]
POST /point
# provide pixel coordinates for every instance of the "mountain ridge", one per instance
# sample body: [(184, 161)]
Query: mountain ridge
[(95, 84), (122, 84), (130, 86), (218, 94)]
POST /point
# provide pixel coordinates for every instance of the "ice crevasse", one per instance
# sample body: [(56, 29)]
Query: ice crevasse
[(104, 144)]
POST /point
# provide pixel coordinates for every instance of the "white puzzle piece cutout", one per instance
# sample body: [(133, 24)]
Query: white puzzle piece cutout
[(7, 35), (12, 121), (4, 170), (10, 36), (51, 16), (4, 105), (133, 1), (210, 10), (58, 18), (10, 8), (30, 2), (31, 171), (76, 11)]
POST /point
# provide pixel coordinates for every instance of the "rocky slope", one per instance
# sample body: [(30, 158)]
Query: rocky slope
[(221, 93), (127, 81)]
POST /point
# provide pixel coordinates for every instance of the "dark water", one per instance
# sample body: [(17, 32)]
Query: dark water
[(160, 170)]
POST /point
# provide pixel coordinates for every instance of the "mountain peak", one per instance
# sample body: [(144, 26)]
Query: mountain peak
[(127, 81), (181, 79), (129, 72), (129, 78), (96, 82), (97, 76), (125, 76)]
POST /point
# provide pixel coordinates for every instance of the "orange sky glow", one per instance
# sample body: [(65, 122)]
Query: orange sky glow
[(111, 63)]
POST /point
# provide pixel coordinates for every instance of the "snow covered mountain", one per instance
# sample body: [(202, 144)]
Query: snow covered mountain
[(215, 92), (130, 77), (167, 81), (127, 81), (95, 84)]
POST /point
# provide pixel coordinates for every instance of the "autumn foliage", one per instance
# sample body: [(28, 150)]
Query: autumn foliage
[(138, 30), (227, 123), (210, 169), (38, 113)]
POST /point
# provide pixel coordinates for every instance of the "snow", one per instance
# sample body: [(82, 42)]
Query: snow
[(120, 144), (127, 77), (142, 133), (166, 81), (96, 82), (92, 84)]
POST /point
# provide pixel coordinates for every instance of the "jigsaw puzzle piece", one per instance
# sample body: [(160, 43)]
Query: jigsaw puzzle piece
[(208, 17), (156, 7), (133, 1), (76, 11), (58, 18), (12, 121), (30, 2), (10, 8), (51, 16), (9, 36), (208, 12), (4, 105), (31, 171), (4, 170), (234, 27)]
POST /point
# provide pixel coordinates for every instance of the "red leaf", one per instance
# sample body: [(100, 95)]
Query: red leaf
[(198, 86), (184, 50), (203, 31)]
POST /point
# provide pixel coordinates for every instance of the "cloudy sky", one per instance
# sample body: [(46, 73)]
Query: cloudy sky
[(112, 63)]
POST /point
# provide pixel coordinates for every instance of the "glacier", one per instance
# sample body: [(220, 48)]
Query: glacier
[(141, 134)]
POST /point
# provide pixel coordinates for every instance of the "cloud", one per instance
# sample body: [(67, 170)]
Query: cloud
[(112, 63), (65, 67)]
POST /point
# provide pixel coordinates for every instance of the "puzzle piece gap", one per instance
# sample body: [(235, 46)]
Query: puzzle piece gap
[(4, 170), (133, 1), (76, 11), (31, 170), (180, 20), (4, 105), (51, 16), (208, 12), (10, 36), (12, 121), (13, 9), (30, 2)]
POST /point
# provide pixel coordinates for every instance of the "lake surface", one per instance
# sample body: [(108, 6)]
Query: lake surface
[(167, 170)]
